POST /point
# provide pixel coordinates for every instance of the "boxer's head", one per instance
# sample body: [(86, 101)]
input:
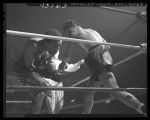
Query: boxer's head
[(50, 44), (70, 26)]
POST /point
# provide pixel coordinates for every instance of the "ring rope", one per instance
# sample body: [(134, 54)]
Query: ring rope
[(95, 102), (79, 105), (18, 88), (118, 10), (128, 58), (69, 39), (116, 64), (67, 107), (75, 84), (9, 101)]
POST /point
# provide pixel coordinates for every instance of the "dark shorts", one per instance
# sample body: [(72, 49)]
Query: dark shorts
[(95, 62)]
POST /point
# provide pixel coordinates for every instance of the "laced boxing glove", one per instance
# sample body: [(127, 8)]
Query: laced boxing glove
[(62, 66), (50, 71), (41, 59), (58, 75), (49, 68)]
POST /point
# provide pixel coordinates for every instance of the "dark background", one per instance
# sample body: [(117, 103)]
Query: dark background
[(109, 24)]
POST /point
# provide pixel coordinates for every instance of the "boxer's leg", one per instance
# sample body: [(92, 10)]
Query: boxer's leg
[(108, 80)]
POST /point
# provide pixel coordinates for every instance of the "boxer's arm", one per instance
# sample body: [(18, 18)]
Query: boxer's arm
[(29, 58), (66, 56), (68, 52), (29, 53), (74, 67), (36, 77)]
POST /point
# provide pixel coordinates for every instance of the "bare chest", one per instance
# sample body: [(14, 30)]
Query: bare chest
[(88, 37)]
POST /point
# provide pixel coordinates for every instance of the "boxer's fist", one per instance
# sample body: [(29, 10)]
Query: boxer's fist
[(62, 66), (50, 66), (58, 76)]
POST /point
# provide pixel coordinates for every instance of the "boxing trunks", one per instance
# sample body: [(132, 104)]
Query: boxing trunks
[(98, 61)]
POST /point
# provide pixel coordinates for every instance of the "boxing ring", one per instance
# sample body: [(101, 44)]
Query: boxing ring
[(73, 87)]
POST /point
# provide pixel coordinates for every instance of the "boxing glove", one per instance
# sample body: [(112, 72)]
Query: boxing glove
[(62, 66), (58, 75)]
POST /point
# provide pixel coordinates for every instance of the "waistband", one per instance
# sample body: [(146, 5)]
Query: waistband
[(94, 47)]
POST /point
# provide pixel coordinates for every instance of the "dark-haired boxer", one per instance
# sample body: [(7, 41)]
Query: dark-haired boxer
[(100, 63)]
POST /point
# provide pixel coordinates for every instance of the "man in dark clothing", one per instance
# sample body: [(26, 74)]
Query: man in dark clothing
[(39, 66), (100, 64)]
